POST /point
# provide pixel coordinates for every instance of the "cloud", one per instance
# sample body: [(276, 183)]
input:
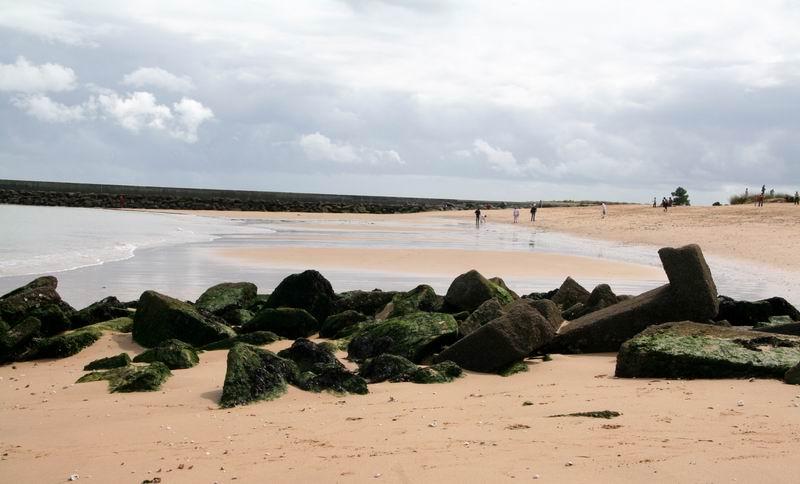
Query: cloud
[(190, 114), (318, 147), (50, 23), (22, 76), (158, 77), (43, 108)]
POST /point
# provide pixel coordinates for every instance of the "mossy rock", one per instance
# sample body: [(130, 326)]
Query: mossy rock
[(692, 350), (333, 378), (36, 299), (514, 368), (413, 336), (309, 356), (471, 289), (14, 340), (106, 309), (227, 296), (119, 325), (174, 353), (443, 372), (364, 302), (63, 345), (773, 321), (160, 318), (287, 322), (256, 338), (421, 298), (117, 361), (255, 374), (387, 367), (307, 290), (131, 378), (343, 324)]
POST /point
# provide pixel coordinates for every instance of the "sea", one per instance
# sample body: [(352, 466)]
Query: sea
[(96, 253)]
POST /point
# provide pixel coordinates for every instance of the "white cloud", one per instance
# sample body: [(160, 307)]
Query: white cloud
[(158, 77), (190, 114), (22, 76), (43, 108), (319, 147)]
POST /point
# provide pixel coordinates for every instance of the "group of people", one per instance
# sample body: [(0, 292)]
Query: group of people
[(480, 217), (758, 200), (665, 203)]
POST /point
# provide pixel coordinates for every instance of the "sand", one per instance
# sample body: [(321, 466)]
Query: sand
[(473, 430)]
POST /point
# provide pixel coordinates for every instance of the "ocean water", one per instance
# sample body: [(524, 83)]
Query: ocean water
[(96, 253)]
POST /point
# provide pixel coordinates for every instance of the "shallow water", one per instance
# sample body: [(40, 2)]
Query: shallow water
[(105, 252)]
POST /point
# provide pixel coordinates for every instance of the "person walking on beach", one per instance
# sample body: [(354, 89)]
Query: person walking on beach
[(664, 203), (516, 214), (654, 202), (478, 217), (796, 197), (533, 213), (604, 209)]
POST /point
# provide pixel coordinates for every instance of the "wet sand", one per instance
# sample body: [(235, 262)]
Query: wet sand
[(476, 429)]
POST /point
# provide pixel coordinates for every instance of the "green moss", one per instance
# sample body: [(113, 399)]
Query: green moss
[(288, 322), (255, 374), (387, 367), (119, 325), (607, 414), (174, 353), (443, 372), (63, 345), (514, 368), (226, 296), (421, 298), (116, 361), (332, 378), (131, 378), (256, 338), (691, 350), (413, 336)]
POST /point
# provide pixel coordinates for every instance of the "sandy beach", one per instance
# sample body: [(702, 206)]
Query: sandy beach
[(479, 428)]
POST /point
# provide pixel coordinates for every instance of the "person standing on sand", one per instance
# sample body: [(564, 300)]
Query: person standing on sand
[(605, 210), (515, 213), (796, 197), (664, 203), (654, 202), (533, 213), (478, 217)]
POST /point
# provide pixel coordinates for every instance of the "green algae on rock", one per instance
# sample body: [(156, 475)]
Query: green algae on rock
[(287, 322), (342, 325), (414, 336), (692, 350), (116, 361), (62, 345), (119, 325), (514, 368), (442, 372), (227, 296), (174, 353), (471, 289), (131, 378), (255, 374), (393, 368), (421, 298), (332, 378), (256, 338)]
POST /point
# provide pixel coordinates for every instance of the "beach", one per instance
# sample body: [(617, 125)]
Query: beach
[(480, 427)]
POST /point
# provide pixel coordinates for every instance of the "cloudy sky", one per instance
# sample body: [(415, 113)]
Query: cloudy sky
[(519, 100)]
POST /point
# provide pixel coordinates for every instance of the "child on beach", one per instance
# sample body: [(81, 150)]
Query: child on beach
[(477, 217), (515, 213), (533, 213), (605, 211)]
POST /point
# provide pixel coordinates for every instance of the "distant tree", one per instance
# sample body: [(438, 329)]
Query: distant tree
[(680, 197)]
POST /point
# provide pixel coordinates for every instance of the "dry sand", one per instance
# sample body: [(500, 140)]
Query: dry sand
[(473, 430)]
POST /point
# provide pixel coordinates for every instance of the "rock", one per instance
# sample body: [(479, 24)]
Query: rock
[(255, 374), (690, 295), (227, 297), (536, 296), (53, 317), (387, 367), (364, 302), (308, 290), (309, 356), (413, 336), (601, 297), (256, 338), (421, 298), (692, 350), (259, 303), (118, 325), (500, 282), (749, 313), (13, 341), (792, 375), (335, 379), (161, 318), (511, 337), (287, 322), (31, 300), (575, 311), (773, 321), (789, 329), (342, 325), (103, 310), (548, 310), (63, 345), (131, 378), (570, 293), (442, 372), (116, 361), (174, 353), (471, 289), (488, 311)]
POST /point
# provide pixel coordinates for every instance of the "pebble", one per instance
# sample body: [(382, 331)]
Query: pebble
[(569, 463), (740, 403), (73, 477), (536, 476), (377, 475)]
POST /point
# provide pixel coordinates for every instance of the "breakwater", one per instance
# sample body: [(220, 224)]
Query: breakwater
[(21, 192)]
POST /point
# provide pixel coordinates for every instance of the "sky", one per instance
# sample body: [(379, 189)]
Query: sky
[(513, 100)]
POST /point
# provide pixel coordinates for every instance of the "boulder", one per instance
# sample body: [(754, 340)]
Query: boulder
[(511, 337), (364, 302), (229, 301), (442, 372), (749, 313), (570, 293), (255, 374), (393, 368), (500, 282), (548, 310), (308, 290), (601, 297), (332, 378), (161, 318), (535, 296), (14, 341), (31, 300), (174, 353), (256, 338), (773, 321), (309, 356), (690, 295), (287, 322), (116, 361), (414, 336), (488, 311), (131, 378), (62, 345), (792, 375), (54, 318), (792, 329), (342, 325), (692, 350), (103, 310), (471, 289), (421, 298)]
